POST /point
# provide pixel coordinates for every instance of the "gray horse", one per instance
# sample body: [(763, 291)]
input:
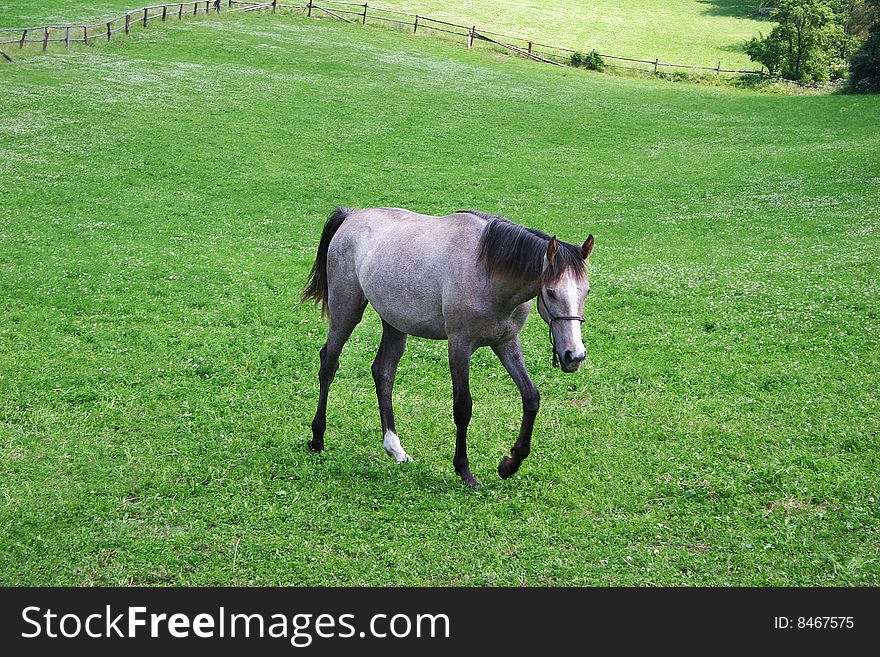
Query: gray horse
[(467, 278)]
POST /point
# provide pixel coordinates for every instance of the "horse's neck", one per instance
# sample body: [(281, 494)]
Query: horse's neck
[(512, 295)]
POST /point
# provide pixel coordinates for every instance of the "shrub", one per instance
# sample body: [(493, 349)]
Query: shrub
[(592, 60)]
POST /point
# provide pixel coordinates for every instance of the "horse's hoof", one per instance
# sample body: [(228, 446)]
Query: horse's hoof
[(394, 449), (473, 484), (469, 480), (315, 447), (507, 467)]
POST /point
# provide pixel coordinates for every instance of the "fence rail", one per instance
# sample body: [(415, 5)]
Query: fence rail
[(518, 44), (350, 12), (86, 32)]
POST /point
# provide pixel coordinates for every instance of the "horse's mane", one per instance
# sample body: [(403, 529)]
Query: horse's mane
[(517, 252)]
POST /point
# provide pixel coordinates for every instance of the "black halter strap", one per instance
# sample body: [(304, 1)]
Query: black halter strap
[(555, 318)]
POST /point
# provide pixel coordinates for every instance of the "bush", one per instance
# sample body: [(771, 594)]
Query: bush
[(593, 60)]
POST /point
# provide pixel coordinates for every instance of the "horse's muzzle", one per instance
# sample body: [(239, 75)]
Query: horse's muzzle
[(570, 361)]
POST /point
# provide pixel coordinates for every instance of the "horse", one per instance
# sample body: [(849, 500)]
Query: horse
[(468, 278)]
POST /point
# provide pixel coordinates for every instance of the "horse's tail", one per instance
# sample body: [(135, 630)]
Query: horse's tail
[(316, 287)]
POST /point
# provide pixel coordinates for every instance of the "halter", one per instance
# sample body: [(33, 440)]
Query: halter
[(555, 318)]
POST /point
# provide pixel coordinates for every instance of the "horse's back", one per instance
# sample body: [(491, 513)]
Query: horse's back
[(406, 263)]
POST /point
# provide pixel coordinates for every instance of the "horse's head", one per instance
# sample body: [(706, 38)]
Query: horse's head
[(564, 287)]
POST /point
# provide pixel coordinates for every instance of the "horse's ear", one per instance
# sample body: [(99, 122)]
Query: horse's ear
[(552, 248), (587, 247)]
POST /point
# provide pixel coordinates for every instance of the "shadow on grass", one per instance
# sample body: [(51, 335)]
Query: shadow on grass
[(738, 47), (735, 8), (372, 478)]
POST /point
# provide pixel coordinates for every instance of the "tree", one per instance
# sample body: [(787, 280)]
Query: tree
[(768, 51), (805, 43), (865, 62), (855, 18)]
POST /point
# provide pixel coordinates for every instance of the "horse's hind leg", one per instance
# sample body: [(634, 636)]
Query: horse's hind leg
[(384, 370), (345, 314)]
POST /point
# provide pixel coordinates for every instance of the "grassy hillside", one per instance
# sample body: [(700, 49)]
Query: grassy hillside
[(700, 32), (161, 201), (25, 13)]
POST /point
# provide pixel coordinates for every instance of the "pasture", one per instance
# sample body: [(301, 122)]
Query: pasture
[(161, 201), (700, 32)]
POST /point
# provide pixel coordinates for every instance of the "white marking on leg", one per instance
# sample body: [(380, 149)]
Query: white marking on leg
[(393, 447)]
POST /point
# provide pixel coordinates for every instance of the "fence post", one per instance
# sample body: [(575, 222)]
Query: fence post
[(67, 38), (719, 68), (86, 34), (416, 24), (530, 47), (207, 7), (195, 8), (364, 22), (309, 7), (145, 16), (470, 41), (164, 12), (217, 6), (274, 3), (128, 23), (45, 39), (109, 32), (180, 11), (23, 39)]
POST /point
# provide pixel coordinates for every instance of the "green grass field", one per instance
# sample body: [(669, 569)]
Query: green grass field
[(699, 32), (160, 203)]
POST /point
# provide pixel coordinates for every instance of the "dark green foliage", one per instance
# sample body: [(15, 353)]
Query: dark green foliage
[(856, 16), (592, 60), (865, 62)]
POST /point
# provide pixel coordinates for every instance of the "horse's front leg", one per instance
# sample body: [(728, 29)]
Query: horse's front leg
[(511, 355), (460, 352)]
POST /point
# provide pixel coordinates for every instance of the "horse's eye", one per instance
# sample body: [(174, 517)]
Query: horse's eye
[(551, 294)]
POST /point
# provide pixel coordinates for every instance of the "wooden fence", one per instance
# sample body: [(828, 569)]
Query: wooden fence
[(350, 12), (105, 29)]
